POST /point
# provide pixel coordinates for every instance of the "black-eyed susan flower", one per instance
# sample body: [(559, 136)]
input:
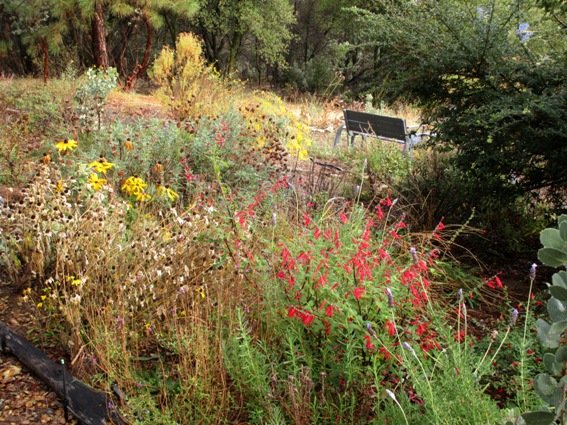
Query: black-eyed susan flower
[(167, 191), (134, 185), (46, 159), (40, 304), (60, 187), (96, 182), (102, 165), (128, 145), (142, 197), (201, 291), (66, 145)]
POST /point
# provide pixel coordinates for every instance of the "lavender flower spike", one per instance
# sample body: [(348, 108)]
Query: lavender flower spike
[(513, 318), (533, 271), (390, 297), (413, 253), (408, 347)]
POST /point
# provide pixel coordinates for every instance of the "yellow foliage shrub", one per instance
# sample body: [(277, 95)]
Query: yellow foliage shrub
[(186, 83), (267, 117)]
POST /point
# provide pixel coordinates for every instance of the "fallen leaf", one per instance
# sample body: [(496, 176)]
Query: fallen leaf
[(10, 372)]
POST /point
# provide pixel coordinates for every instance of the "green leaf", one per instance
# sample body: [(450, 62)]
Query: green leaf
[(538, 418), (543, 333), (550, 238), (556, 330), (547, 389), (563, 230), (552, 257), (560, 279), (551, 364), (561, 354), (557, 309), (559, 293), (542, 328)]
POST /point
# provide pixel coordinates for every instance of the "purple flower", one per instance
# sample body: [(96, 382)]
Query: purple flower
[(408, 347), (413, 253), (523, 32), (390, 297), (513, 317), (533, 271)]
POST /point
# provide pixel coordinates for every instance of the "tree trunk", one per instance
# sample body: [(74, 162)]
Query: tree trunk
[(139, 69), (98, 34), (234, 47), (45, 60)]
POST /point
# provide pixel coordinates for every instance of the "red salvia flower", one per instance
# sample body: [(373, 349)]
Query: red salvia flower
[(306, 220), (384, 351), (460, 336), (307, 318), (369, 345), (498, 282), (358, 292), (390, 327)]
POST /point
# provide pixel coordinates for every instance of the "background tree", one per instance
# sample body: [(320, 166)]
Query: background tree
[(491, 79), (258, 30), (54, 25)]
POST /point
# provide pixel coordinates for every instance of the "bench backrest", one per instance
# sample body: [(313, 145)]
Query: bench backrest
[(381, 126)]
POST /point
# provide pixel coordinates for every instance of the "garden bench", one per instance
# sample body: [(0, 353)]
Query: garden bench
[(380, 126)]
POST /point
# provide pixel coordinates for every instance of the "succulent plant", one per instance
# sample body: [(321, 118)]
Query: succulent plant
[(551, 387)]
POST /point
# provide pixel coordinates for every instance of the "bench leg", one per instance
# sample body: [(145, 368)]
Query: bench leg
[(338, 136)]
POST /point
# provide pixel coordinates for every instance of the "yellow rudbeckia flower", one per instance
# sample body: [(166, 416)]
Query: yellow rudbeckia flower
[(167, 191), (102, 165), (134, 185), (66, 145), (96, 182), (142, 197)]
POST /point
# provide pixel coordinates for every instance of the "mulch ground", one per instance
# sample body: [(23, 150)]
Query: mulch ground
[(24, 399)]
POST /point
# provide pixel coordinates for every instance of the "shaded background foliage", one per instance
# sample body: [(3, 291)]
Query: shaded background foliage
[(488, 75)]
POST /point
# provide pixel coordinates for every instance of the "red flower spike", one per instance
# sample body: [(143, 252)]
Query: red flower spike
[(390, 327), (307, 318), (498, 282), (343, 217), (384, 351), (306, 220), (369, 345), (358, 293)]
